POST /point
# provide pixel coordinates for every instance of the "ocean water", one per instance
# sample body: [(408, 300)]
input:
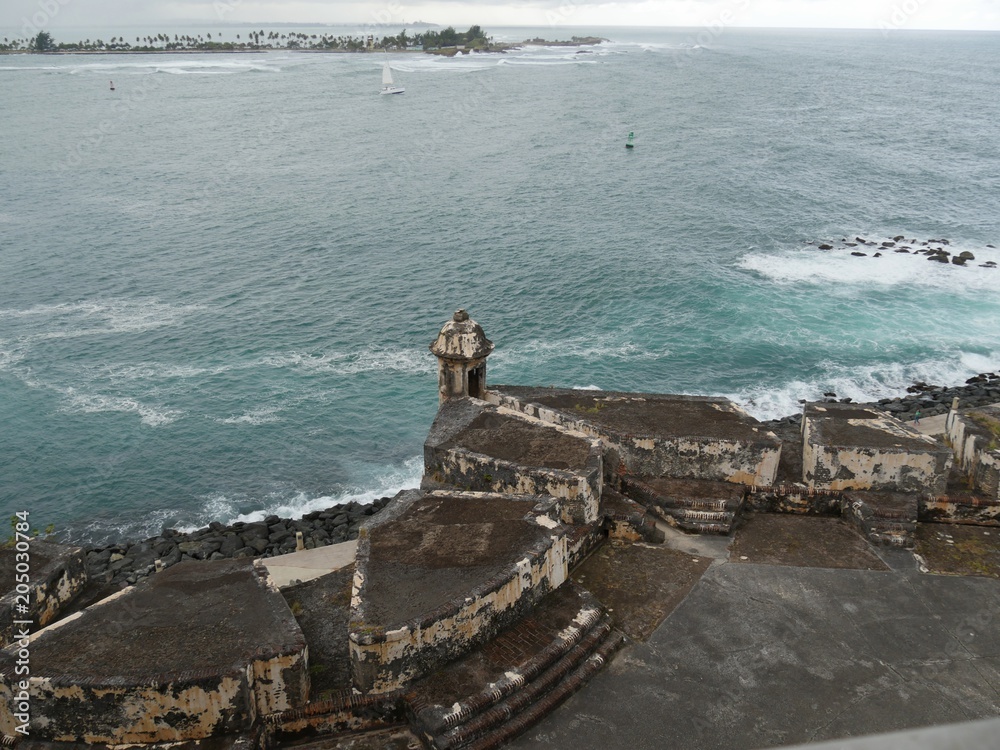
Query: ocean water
[(218, 283)]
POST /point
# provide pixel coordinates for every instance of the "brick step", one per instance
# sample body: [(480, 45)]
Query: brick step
[(561, 679), (961, 507), (696, 506), (544, 647), (627, 520), (796, 499), (700, 521), (345, 711), (545, 704)]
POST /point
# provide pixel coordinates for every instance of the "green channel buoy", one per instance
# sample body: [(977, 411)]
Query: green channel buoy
[(628, 142)]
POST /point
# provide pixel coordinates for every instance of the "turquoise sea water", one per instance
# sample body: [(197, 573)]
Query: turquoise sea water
[(218, 283)]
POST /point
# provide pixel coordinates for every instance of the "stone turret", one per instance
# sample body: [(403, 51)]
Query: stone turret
[(461, 348)]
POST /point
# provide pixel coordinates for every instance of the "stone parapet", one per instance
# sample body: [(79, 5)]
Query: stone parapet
[(197, 651), (975, 438), (439, 573), (475, 446), (849, 447), (45, 577), (694, 437)]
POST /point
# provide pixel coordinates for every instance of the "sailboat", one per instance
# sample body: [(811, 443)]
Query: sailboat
[(388, 87)]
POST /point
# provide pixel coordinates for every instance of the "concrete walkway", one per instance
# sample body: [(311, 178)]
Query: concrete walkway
[(310, 563), (763, 656), (933, 426)]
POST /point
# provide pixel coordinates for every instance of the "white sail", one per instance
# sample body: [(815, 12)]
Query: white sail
[(388, 87)]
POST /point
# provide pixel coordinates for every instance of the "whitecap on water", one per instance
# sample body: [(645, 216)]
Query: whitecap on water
[(253, 417), (384, 482), (351, 363), (91, 403), (584, 347), (101, 316), (811, 266), (861, 384)]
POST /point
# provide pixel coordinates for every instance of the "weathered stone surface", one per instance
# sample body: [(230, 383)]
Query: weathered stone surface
[(690, 504), (847, 446), (474, 445), (461, 348), (659, 435), (888, 518), (439, 573), (198, 650), (975, 438), (50, 576)]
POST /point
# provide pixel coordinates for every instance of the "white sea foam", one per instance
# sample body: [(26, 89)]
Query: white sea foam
[(177, 67), (10, 355), (103, 316), (811, 266), (253, 417), (92, 403), (351, 363), (862, 384), (125, 372), (585, 347), (334, 363), (385, 483)]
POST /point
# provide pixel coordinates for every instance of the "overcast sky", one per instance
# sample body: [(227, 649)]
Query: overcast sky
[(904, 14)]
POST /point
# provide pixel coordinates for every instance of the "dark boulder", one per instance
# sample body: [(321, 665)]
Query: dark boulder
[(859, 255)]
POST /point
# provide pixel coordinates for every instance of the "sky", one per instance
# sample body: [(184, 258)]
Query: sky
[(878, 14)]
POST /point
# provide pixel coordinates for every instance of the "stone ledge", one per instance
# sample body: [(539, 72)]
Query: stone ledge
[(199, 650), (441, 573), (657, 434), (57, 574)]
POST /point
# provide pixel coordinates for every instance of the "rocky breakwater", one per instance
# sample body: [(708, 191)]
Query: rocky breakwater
[(128, 562), (932, 249), (929, 400)]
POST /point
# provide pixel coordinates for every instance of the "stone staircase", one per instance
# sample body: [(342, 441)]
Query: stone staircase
[(342, 713), (696, 506), (627, 520), (496, 693)]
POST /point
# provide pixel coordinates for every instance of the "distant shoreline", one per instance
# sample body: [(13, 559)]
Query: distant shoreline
[(498, 48)]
